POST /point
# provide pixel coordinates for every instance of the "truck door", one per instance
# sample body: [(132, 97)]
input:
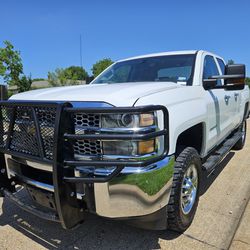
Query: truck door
[(236, 97), (219, 106)]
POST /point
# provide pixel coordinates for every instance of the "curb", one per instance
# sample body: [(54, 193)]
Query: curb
[(241, 238)]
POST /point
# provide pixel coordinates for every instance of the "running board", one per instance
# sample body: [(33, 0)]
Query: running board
[(213, 161)]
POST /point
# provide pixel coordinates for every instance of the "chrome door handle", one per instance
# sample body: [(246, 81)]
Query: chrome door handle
[(227, 97), (236, 96)]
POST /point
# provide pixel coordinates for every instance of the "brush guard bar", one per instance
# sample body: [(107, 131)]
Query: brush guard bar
[(64, 162)]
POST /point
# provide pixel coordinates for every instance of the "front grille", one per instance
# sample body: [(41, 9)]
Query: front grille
[(24, 134), (84, 122), (87, 147)]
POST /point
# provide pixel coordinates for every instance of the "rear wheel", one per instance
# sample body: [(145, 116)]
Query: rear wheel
[(241, 142), (185, 190)]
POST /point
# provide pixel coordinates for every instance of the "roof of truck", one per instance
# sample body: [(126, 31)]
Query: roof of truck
[(167, 53)]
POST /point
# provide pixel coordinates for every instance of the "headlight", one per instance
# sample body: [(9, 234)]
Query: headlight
[(128, 120), (132, 121), (119, 148), (128, 148)]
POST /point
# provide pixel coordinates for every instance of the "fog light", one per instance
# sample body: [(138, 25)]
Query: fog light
[(146, 147)]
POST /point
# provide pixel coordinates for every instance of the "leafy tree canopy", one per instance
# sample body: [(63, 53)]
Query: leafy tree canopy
[(75, 73), (11, 68), (10, 64), (101, 65), (24, 83), (230, 61), (70, 76), (38, 79)]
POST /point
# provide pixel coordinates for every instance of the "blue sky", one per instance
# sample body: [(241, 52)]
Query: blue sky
[(47, 32)]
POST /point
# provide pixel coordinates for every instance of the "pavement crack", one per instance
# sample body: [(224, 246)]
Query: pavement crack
[(242, 241), (202, 241)]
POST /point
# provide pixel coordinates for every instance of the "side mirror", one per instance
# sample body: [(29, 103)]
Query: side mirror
[(209, 84), (234, 78)]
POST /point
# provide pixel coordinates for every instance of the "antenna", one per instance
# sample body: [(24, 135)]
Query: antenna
[(81, 51)]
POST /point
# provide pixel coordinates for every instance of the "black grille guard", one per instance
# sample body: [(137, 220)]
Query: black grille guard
[(64, 135), (63, 161)]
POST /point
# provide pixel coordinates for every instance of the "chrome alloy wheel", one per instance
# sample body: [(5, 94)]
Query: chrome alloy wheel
[(189, 189)]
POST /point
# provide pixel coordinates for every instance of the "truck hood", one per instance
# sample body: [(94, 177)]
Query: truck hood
[(122, 94)]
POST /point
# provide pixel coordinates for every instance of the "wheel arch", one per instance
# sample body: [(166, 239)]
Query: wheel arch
[(193, 136), (246, 111)]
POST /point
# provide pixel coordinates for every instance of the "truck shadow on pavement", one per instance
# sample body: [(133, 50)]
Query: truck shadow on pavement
[(95, 232)]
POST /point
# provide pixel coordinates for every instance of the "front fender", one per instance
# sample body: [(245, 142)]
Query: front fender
[(186, 106)]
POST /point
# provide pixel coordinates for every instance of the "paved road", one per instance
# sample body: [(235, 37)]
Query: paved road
[(224, 198)]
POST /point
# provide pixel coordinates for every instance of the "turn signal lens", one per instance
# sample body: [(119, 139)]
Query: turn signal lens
[(146, 147), (146, 120)]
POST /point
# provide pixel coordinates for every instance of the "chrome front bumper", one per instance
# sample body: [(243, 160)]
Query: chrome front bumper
[(134, 192)]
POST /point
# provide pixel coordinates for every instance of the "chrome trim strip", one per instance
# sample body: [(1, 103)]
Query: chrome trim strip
[(44, 167), (37, 184), (118, 129), (115, 157)]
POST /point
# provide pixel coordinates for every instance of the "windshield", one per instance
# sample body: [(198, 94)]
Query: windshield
[(174, 68)]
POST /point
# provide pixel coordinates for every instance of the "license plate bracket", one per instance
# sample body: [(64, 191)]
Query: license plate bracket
[(43, 198)]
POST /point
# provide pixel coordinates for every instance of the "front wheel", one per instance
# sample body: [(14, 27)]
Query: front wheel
[(184, 195), (241, 142)]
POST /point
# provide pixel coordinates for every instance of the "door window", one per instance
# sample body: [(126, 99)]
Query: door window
[(222, 65), (210, 69)]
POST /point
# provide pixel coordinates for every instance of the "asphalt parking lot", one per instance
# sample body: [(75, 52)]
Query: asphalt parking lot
[(224, 198)]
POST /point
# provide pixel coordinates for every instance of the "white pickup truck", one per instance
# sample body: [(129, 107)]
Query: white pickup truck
[(132, 145)]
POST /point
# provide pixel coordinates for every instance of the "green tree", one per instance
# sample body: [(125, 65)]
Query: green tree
[(230, 61), (11, 66), (75, 73), (24, 83), (57, 78), (38, 79), (70, 76), (100, 66)]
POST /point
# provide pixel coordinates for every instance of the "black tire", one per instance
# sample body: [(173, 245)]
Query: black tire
[(241, 142), (177, 219)]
